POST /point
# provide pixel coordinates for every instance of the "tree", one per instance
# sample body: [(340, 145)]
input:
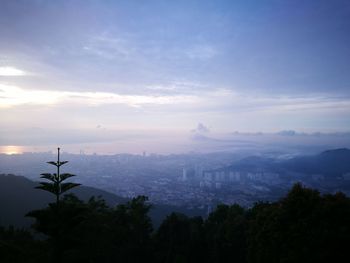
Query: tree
[(180, 239), (226, 234), (19, 245), (52, 221), (57, 187), (304, 226)]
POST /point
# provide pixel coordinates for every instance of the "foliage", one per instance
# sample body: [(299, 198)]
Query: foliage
[(18, 245), (226, 233), (56, 185), (180, 239), (304, 226), (94, 232)]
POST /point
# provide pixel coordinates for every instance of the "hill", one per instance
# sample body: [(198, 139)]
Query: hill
[(18, 196), (331, 163)]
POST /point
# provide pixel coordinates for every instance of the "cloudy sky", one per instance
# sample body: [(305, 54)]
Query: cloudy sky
[(79, 72)]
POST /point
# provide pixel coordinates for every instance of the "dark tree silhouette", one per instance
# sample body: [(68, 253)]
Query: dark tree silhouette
[(304, 226), (57, 187), (52, 221), (180, 239), (18, 245)]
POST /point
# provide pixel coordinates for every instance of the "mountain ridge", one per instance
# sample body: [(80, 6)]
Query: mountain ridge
[(330, 163), (18, 196)]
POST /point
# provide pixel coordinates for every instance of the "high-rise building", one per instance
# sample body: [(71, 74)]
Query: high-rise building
[(184, 174)]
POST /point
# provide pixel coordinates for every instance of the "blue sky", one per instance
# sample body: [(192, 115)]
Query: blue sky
[(165, 66)]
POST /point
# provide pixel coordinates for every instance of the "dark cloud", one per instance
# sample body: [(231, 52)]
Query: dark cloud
[(287, 133), (201, 128)]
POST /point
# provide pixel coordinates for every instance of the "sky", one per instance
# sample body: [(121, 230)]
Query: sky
[(141, 75)]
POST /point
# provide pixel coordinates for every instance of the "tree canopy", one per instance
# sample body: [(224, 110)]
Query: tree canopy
[(304, 226)]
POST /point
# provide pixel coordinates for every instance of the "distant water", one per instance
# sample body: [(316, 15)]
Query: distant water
[(175, 144)]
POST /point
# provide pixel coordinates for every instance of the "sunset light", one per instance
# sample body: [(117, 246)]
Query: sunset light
[(11, 149)]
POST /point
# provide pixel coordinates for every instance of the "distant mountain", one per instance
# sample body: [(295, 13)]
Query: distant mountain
[(250, 164), (18, 196), (254, 162), (331, 163)]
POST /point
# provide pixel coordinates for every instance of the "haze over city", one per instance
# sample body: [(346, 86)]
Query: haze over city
[(168, 131)]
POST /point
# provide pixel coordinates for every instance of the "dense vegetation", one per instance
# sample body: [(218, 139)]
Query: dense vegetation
[(304, 226)]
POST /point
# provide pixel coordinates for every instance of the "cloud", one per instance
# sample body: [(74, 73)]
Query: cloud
[(11, 71), (287, 133), (201, 128), (201, 52), (177, 87), (108, 47), (13, 96), (191, 101), (314, 134), (230, 101)]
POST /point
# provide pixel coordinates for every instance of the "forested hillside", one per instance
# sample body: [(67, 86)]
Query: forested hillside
[(304, 226)]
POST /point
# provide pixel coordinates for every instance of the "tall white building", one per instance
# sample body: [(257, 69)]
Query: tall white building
[(184, 174)]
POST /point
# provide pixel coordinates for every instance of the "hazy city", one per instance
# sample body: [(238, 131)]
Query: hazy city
[(196, 181), (167, 131)]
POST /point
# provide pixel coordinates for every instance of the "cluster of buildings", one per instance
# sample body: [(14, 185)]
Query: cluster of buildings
[(191, 181), (217, 178), (226, 177)]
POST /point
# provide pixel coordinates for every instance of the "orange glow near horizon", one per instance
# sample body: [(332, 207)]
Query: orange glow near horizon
[(11, 149)]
